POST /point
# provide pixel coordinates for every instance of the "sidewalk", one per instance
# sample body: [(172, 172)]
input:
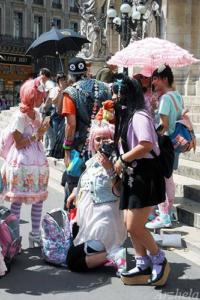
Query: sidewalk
[(190, 235)]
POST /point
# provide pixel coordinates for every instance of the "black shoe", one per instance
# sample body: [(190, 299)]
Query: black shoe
[(137, 278), (161, 278)]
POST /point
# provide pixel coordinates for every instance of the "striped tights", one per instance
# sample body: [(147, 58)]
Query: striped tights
[(36, 213)]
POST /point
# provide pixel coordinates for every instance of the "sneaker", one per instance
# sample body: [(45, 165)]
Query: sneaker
[(173, 216), (163, 221), (151, 217), (118, 261)]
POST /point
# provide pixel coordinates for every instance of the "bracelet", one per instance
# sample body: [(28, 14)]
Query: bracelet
[(68, 148), (67, 142), (34, 137), (123, 161)]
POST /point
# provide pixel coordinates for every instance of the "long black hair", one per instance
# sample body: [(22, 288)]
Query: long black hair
[(130, 99)]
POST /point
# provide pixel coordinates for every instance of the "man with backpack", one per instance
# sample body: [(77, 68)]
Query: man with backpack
[(81, 102)]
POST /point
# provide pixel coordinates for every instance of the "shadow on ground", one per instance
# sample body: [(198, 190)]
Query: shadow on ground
[(31, 275), (179, 285)]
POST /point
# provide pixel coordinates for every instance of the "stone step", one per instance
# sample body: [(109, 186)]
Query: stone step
[(194, 156), (3, 124), (181, 182), (195, 117), (6, 115), (188, 168), (193, 108), (188, 211), (196, 127), (192, 192), (197, 138), (191, 100)]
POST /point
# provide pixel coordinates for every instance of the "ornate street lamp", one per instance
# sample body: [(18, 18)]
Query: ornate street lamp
[(133, 15)]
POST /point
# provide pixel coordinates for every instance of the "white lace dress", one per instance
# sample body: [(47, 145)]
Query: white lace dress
[(102, 222)]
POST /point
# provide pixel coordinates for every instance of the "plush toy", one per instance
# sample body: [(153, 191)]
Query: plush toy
[(106, 112)]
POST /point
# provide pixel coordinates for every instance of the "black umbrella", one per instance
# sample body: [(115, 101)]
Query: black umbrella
[(56, 42)]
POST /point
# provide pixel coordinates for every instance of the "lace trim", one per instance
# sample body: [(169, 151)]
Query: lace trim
[(158, 259), (11, 197)]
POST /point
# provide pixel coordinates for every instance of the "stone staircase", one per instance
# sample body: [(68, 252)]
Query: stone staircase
[(6, 116), (187, 177)]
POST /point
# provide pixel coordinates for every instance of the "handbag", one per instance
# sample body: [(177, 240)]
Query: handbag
[(76, 165), (183, 138)]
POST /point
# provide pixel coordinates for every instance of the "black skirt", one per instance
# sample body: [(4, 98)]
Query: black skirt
[(142, 185)]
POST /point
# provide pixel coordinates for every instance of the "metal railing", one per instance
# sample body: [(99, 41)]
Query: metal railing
[(9, 40)]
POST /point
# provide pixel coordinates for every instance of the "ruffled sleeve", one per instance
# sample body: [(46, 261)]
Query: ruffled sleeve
[(18, 123)]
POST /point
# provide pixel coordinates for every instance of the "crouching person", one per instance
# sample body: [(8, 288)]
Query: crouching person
[(101, 231)]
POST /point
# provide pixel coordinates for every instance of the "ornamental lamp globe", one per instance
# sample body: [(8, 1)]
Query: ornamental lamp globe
[(125, 8), (111, 13), (117, 21)]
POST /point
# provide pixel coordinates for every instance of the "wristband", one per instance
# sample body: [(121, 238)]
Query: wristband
[(123, 161), (67, 142), (67, 147)]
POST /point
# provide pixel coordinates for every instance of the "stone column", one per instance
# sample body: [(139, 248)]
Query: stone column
[(183, 28)]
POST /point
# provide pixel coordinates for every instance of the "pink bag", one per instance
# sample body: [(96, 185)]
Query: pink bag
[(10, 240)]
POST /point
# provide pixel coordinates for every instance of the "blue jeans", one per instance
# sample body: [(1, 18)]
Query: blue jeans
[(49, 140)]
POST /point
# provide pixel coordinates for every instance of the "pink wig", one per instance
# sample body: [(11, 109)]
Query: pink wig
[(29, 93), (100, 127)]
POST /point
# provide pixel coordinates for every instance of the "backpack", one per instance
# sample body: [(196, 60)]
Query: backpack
[(84, 93), (166, 156), (56, 237), (10, 240)]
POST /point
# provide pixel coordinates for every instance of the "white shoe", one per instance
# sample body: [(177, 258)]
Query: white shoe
[(120, 260), (117, 259), (34, 240)]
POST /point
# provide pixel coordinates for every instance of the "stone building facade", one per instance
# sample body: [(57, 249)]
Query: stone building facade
[(21, 22), (179, 23)]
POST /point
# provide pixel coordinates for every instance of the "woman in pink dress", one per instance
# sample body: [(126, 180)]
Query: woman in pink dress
[(25, 171)]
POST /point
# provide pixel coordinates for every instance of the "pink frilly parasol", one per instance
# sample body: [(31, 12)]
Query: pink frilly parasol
[(152, 52)]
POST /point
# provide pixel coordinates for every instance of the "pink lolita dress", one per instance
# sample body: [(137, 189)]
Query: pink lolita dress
[(25, 171)]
